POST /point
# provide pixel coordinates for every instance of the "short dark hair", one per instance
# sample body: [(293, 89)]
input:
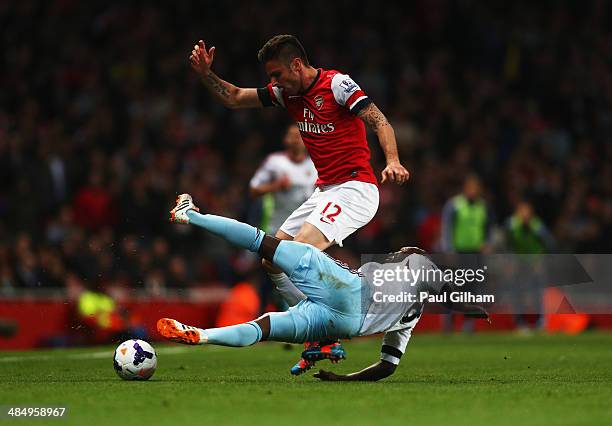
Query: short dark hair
[(283, 47)]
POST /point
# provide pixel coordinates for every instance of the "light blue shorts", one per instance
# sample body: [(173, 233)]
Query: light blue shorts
[(333, 308)]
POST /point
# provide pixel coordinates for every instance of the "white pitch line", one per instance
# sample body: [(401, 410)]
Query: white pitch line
[(91, 355)]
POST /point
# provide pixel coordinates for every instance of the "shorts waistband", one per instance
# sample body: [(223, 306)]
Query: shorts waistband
[(324, 188), (327, 187)]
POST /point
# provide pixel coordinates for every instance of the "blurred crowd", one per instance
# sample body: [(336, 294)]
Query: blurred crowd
[(103, 123)]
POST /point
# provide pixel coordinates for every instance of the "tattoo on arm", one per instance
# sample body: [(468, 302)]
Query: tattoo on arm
[(217, 85), (373, 117)]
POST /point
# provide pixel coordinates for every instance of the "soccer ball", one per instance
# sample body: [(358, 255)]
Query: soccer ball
[(135, 360)]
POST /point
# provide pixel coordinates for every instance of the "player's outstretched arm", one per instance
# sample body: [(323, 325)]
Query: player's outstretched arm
[(229, 95), (377, 121), (373, 373)]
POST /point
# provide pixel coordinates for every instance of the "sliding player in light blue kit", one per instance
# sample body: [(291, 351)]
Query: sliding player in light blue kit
[(336, 302)]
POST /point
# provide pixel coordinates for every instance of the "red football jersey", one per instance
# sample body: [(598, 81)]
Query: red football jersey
[(333, 134)]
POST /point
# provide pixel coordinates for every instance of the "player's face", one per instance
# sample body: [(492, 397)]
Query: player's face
[(283, 76)]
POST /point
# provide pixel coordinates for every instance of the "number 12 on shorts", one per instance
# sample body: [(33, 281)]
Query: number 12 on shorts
[(329, 213)]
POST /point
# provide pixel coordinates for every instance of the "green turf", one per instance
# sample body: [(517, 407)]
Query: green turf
[(443, 380)]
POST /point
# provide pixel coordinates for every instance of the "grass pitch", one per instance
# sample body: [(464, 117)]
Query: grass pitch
[(443, 380)]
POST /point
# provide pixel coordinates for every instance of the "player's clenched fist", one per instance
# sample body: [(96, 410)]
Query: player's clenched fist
[(200, 58), (395, 172)]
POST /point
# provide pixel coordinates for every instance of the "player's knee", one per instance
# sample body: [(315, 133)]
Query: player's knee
[(309, 234), (281, 235), (307, 237)]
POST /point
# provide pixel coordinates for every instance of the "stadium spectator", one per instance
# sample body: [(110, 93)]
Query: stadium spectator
[(527, 235)]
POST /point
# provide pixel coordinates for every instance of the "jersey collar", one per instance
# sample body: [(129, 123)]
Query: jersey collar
[(313, 82)]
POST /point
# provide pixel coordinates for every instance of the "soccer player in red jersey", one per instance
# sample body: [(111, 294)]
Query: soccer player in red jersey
[(330, 110)]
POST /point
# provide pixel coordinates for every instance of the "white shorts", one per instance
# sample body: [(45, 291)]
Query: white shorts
[(336, 210)]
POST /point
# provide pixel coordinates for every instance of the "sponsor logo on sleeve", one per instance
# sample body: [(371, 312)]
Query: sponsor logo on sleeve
[(348, 85)]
